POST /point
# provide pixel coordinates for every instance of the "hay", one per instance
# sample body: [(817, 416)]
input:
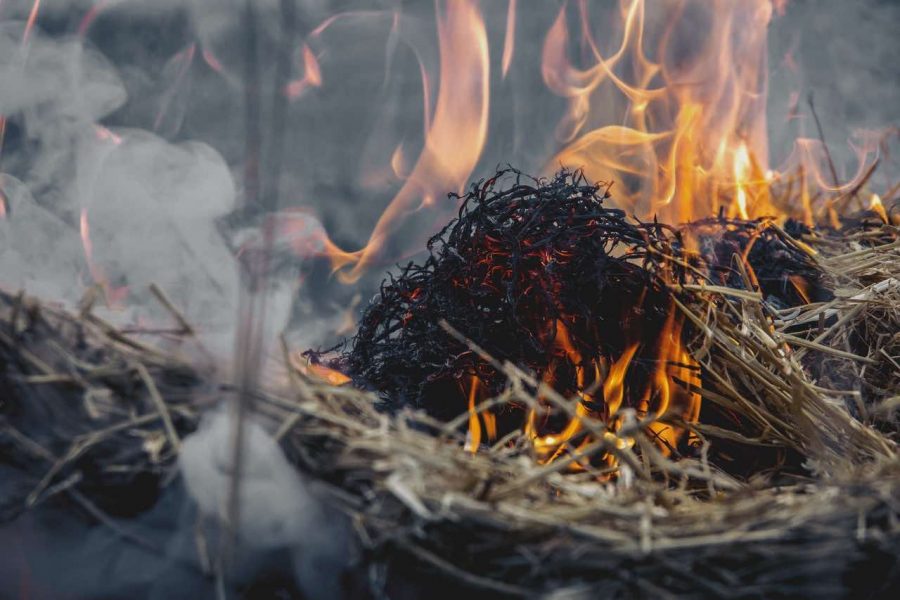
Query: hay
[(90, 414), (88, 410), (499, 522)]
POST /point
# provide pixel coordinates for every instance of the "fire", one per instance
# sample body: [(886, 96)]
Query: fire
[(674, 364), (455, 135), (690, 123), (876, 206), (802, 287), (312, 75), (675, 115), (316, 370), (670, 391), (398, 162), (32, 19), (509, 41), (741, 176), (330, 376), (114, 295)]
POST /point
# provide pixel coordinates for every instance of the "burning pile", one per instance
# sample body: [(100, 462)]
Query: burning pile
[(684, 385), (543, 275)]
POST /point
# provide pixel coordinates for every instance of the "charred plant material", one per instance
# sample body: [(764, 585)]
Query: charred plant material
[(783, 270), (539, 273), (543, 275)]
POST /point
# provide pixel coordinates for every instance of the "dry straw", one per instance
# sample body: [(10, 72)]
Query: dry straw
[(820, 381)]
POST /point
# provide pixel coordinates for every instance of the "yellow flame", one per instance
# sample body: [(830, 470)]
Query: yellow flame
[(741, 175), (682, 118), (876, 206), (614, 385), (474, 440)]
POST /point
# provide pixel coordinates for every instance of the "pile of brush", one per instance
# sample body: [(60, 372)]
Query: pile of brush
[(797, 362), (543, 275)]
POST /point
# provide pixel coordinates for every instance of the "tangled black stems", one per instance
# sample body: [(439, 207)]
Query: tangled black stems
[(524, 258)]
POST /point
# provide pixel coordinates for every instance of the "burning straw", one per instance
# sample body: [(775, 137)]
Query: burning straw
[(808, 387)]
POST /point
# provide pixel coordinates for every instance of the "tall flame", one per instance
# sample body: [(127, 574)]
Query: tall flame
[(455, 135), (694, 126), (741, 178)]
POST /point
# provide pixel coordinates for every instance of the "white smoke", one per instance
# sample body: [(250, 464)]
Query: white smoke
[(278, 508), (149, 205)]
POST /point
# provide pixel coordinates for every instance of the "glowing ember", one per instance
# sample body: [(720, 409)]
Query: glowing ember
[(328, 375), (317, 371)]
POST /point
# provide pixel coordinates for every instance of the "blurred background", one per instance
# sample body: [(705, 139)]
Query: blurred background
[(126, 124)]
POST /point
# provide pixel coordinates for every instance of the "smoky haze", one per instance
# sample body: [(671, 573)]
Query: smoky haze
[(125, 125), (166, 78)]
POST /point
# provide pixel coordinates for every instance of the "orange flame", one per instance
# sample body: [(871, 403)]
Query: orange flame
[(671, 392), (694, 126), (876, 206), (551, 446), (474, 440), (317, 371), (509, 41), (674, 363), (614, 385), (802, 286), (330, 376), (455, 134), (312, 75), (741, 177)]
